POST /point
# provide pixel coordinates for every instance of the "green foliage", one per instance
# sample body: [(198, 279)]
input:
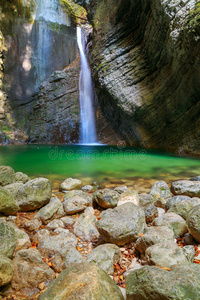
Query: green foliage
[(18, 8), (77, 12), (192, 21)]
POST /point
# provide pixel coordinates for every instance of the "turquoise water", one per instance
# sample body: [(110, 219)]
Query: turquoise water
[(102, 163)]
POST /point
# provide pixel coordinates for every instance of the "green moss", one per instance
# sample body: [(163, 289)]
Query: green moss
[(77, 12), (18, 8), (192, 21)]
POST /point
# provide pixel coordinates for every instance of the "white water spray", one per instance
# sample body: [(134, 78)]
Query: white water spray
[(88, 128)]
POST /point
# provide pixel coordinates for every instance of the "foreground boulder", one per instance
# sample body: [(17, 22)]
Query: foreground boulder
[(106, 198), (193, 222), (154, 235), (173, 221), (23, 240), (8, 239), (70, 184), (7, 175), (165, 255), (153, 283), (121, 225), (6, 270), (30, 270), (34, 194), (88, 282), (186, 187), (8, 205), (161, 193), (105, 256)]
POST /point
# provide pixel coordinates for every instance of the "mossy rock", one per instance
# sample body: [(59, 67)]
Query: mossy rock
[(8, 205), (77, 12)]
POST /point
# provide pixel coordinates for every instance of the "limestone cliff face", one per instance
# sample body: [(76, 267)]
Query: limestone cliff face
[(146, 68), (39, 40)]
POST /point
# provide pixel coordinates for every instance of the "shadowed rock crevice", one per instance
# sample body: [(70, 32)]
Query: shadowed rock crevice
[(145, 64)]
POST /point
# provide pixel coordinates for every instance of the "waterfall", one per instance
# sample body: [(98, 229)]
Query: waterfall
[(88, 128)]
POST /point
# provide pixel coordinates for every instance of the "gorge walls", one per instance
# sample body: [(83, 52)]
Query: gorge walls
[(146, 68)]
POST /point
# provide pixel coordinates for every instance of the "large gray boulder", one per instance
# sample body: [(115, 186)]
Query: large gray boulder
[(161, 193), (106, 198), (165, 255), (70, 184), (154, 235), (6, 270), (173, 221), (30, 270), (186, 187), (8, 204), (153, 283), (34, 194), (121, 225), (105, 256), (85, 226), (71, 194), (13, 188), (7, 175), (8, 239), (193, 222), (52, 210), (181, 205), (88, 282), (67, 256)]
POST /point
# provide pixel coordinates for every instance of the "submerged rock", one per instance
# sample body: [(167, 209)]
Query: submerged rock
[(121, 225), (106, 198), (70, 184), (8, 204), (34, 194), (88, 282), (105, 256)]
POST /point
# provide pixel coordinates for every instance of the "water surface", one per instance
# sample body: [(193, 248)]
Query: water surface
[(101, 163)]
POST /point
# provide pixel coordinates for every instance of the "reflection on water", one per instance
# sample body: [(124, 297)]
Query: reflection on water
[(101, 163)]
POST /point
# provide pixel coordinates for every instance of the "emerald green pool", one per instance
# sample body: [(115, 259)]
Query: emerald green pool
[(102, 163)]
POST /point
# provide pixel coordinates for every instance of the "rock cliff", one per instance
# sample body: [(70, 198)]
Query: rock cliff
[(146, 68)]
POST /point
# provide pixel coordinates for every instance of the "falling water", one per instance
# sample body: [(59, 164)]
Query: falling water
[(88, 129)]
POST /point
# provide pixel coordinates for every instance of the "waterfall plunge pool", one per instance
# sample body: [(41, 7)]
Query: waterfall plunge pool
[(111, 165)]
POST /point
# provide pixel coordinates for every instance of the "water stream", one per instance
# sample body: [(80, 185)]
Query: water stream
[(88, 129)]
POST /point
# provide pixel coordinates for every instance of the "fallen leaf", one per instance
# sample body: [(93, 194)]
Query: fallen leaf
[(49, 264), (79, 249), (141, 234), (196, 261)]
